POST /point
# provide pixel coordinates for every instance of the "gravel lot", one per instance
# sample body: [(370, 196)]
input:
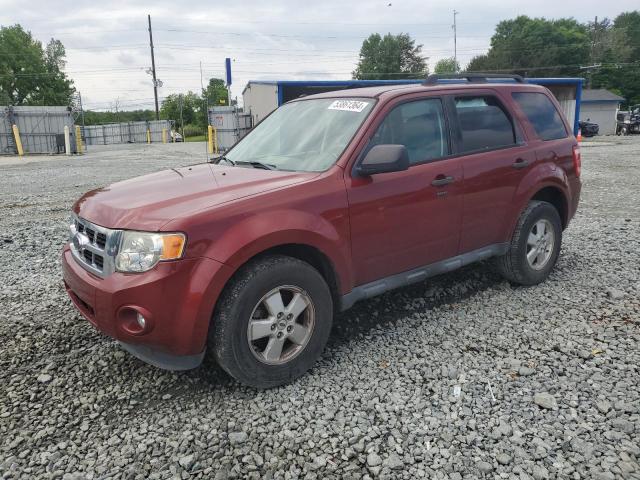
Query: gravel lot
[(463, 376)]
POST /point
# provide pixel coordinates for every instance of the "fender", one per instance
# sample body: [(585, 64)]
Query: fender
[(265, 230), (543, 175)]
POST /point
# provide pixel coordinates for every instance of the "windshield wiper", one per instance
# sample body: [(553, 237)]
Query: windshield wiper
[(254, 164), (221, 158)]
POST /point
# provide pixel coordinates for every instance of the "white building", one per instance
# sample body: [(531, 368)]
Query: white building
[(599, 106)]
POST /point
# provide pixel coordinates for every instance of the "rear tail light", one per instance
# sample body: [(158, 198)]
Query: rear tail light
[(577, 160)]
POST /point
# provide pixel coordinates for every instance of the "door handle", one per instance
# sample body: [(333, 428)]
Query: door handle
[(520, 163), (441, 180)]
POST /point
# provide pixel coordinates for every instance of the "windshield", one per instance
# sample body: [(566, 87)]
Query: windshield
[(307, 135)]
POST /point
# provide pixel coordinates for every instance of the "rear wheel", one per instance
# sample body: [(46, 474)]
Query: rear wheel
[(534, 247), (272, 322)]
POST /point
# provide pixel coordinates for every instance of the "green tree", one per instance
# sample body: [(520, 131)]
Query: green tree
[(29, 74), (92, 117), (447, 65), (614, 61), (536, 46), (185, 109), (216, 93), (627, 25), (390, 57)]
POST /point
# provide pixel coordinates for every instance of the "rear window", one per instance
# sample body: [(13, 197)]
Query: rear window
[(483, 123), (542, 114)]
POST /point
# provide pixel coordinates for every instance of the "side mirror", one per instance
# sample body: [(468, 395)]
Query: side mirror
[(384, 159)]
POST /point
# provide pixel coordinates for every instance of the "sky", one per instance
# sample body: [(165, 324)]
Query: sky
[(108, 55)]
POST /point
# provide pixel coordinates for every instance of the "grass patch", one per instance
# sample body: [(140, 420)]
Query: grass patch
[(197, 138)]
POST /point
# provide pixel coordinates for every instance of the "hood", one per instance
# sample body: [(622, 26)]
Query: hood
[(150, 201)]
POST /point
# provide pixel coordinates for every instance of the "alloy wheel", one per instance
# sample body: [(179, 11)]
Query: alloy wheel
[(281, 325), (540, 244)]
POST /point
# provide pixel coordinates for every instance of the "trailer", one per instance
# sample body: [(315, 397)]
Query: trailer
[(262, 97)]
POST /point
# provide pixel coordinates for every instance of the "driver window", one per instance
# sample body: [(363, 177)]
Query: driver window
[(419, 126)]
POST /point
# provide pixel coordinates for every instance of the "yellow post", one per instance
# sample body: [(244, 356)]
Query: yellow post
[(164, 135), (78, 140), (16, 136), (148, 136), (210, 139)]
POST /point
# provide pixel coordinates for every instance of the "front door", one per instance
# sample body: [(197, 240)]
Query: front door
[(404, 220)]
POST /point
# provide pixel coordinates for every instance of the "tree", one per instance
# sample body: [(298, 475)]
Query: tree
[(628, 26), (536, 45), (92, 117), (216, 93), (615, 57), (447, 65), (390, 57), (29, 74), (185, 109)]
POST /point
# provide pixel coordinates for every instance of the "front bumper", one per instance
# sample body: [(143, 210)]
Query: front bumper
[(176, 298)]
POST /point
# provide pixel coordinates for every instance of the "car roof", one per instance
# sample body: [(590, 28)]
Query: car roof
[(390, 91)]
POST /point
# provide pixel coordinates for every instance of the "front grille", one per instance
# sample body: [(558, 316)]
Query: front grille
[(94, 247)]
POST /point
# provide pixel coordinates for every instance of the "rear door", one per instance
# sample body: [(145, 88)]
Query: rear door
[(404, 220), (494, 157)]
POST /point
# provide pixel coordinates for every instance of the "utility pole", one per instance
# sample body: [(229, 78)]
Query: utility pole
[(153, 70), (594, 35), (206, 103), (455, 42)]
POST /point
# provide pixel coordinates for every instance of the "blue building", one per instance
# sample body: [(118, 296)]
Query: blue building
[(262, 97)]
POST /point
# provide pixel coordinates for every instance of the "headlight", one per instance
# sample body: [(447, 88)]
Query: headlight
[(141, 251)]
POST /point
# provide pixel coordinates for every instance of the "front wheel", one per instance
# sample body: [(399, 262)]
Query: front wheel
[(534, 247), (272, 322)]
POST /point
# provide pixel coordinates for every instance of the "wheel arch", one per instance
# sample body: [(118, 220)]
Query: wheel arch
[(556, 197), (311, 255), (305, 252)]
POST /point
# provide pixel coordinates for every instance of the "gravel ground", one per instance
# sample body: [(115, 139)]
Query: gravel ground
[(463, 376)]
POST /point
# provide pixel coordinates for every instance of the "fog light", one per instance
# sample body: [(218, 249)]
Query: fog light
[(141, 321)]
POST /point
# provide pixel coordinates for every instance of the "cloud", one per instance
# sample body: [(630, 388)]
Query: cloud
[(278, 39), (126, 58)]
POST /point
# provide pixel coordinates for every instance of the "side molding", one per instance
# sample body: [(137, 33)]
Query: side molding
[(419, 274)]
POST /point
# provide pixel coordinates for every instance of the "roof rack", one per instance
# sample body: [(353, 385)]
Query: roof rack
[(470, 77)]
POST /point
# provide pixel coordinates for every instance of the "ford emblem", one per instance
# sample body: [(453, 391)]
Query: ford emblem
[(80, 241)]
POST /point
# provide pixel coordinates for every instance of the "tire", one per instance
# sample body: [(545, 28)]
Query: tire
[(514, 265), (251, 296), (625, 131)]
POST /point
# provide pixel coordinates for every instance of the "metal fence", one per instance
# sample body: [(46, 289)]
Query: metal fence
[(127, 132), (231, 124), (41, 129)]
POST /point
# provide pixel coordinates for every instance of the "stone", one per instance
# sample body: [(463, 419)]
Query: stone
[(373, 460), (393, 461), (615, 294), (187, 461), (44, 378), (238, 437), (603, 406), (540, 472), (545, 400)]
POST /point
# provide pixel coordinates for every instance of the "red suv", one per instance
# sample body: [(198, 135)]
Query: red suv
[(332, 199)]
